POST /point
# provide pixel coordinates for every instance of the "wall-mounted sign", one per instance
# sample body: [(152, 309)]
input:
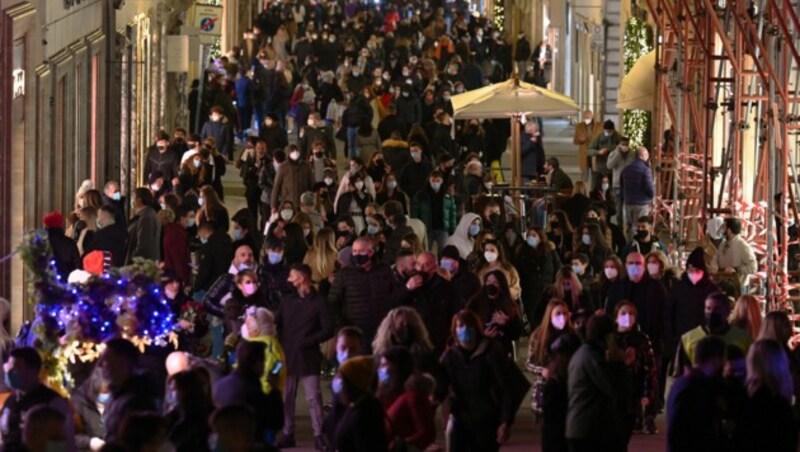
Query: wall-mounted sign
[(18, 83), (208, 19)]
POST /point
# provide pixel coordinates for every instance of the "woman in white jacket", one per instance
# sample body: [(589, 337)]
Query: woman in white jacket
[(464, 236)]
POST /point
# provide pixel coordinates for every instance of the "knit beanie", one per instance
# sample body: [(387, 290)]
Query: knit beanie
[(697, 259), (359, 371)]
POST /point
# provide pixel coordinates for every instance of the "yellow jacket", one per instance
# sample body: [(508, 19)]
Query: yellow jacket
[(272, 356)]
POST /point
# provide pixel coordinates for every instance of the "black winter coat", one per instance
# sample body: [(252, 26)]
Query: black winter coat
[(139, 393), (215, 258), (436, 302), (90, 420), (362, 298), (684, 308), (648, 295), (536, 273), (303, 323), (65, 252), (114, 239), (362, 427)]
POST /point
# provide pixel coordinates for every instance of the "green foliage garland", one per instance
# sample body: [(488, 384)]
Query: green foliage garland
[(638, 41)]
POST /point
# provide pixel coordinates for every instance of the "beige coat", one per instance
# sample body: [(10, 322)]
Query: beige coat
[(583, 136), (737, 254)]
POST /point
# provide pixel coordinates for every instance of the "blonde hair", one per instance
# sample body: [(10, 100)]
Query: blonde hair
[(746, 314), (417, 330), (580, 188), (322, 255), (768, 365), (566, 273)]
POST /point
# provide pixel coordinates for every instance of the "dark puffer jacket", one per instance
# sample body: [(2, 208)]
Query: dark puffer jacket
[(362, 298)]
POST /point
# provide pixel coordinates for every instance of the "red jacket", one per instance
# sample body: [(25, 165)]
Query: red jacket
[(411, 417), (176, 251)]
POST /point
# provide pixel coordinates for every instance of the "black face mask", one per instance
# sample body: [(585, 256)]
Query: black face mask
[(359, 260), (494, 218), (715, 321), (641, 235), (492, 291), (340, 234)]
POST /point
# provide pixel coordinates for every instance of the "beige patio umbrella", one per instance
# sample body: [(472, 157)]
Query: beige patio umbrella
[(638, 88), (513, 99)]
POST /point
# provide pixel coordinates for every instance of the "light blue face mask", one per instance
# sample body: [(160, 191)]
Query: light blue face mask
[(532, 242), (190, 223), (116, 196), (336, 385), (474, 229), (447, 264), (383, 375), (586, 239), (104, 398), (577, 269), (465, 334), (341, 356), (634, 271), (237, 234), (274, 258), (372, 229)]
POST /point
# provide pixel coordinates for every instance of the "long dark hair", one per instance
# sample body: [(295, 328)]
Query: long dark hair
[(506, 303)]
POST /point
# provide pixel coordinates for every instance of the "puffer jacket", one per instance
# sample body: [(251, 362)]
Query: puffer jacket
[(421, 208), (362, 298)]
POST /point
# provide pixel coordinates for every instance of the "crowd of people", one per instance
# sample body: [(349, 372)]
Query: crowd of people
[(401, 280)]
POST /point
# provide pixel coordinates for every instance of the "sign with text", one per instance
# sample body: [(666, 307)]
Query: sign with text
[(18, 83), (208, 19)]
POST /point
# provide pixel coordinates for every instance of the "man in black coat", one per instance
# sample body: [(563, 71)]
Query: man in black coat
[(162, 158), (414, 176), (65, 251), (434, 300), (365, 291), (130, 391), (110, 236), (391, 123), (113, 197), (316, 130), (215, 255), (303, 321), (646, 293)]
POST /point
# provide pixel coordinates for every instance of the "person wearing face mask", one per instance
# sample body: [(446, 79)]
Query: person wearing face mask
[(713, 238), (414, 176), (189, 406), (273, 273), (293, 178), (567, 286), (357, 113), (641, 362), (593, 243), (144, 229), (494, 258), (304, 322), (583, 270), (618, 160), (89, 402), (536, 263), (356, 168), (539, 348), (585, 133), (109, 236), (266, 182), (600, 147), (612, 270), (362, 423), (164, 160), (175, 244), (317, 131), (436, 208), (409, 108), (225, 284), (717, 310), (220, 129), (354, 202), (113, 197), (644, 240), (475, 371), (659, 269), (22, 377), (214, 256), (195, 172), (500, 313), (685, 303), (646, 293), (390, 123), (273, 135), (735, 257), (363, 292)]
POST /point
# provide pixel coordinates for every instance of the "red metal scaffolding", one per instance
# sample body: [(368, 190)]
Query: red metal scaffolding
[(727, 86)]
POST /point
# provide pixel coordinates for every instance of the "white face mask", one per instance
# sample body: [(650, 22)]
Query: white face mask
[(215, 117), (610, 272), (653, 269), (604, 187), (311, 122), (328, 180), (294, 155), (490, 256), (359, 185), (559, 321), (624, 320), (587, 121), (287, 214)]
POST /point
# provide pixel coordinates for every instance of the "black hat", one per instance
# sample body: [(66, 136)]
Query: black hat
[(697, 259), (450, 252), (608, 125)]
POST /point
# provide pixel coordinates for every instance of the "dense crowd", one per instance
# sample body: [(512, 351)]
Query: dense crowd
[(404, 280)]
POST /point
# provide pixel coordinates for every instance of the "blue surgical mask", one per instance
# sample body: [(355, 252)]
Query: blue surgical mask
[(190, 223), (634, 271), (474, 229), (447, 264), (237, 234), (116, 196), (336, 385), (172, 399), (103, 398), (586, 239), (532, 241), (274, 258), (372, 229), (341, 356), (383, 375), (577, 269), (465, 334)]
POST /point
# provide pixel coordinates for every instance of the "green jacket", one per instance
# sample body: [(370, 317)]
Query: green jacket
[(421, 209)]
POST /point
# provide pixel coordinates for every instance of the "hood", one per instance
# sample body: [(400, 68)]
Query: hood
[(462, 230), (713, 227), (390, 143), (697, 259)]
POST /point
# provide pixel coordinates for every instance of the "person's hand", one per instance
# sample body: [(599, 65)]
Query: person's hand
[(446, 275), (500, 318), (414, 283), (96, 443), (645, 401), (793, 341), (603, 151), (545, 373), (491, 331), (185, 324), (340, 242), (629, 356), (502, 433), (176, 181)]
